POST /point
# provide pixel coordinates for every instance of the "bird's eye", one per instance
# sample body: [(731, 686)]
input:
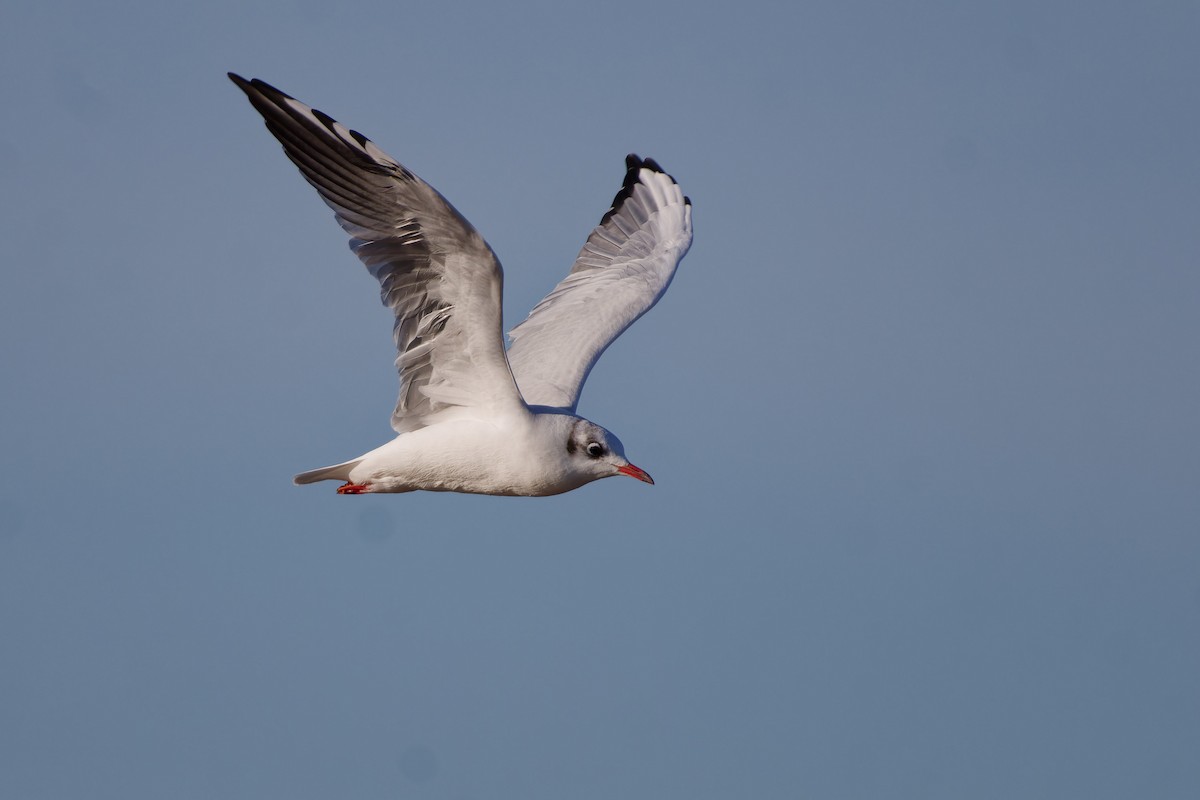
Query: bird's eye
[(595, 449)]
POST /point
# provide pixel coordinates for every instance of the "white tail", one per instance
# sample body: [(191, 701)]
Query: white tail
[(338, 472)]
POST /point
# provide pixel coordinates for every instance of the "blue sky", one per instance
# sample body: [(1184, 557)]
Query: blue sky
[(920, 403)]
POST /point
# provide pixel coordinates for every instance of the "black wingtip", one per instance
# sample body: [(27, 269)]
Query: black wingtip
[(254, 85), (634, 164), (324, 118)]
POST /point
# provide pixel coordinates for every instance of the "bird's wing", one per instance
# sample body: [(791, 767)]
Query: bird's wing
[(621, 272), (437, 274)]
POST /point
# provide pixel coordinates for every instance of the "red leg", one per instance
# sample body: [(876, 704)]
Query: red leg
[(352, 488)]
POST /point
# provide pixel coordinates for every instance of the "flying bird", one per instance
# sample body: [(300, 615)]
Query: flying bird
[(472, 417)]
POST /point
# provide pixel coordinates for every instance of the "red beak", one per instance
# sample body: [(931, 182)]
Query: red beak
[(636, 472)]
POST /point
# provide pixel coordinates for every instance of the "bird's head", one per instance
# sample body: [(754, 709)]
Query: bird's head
[(597, 453)]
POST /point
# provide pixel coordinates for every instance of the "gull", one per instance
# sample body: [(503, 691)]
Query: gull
[(472, 417)]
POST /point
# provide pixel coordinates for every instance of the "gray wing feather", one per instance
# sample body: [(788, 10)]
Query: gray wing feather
[(623, 269), (439, 277)]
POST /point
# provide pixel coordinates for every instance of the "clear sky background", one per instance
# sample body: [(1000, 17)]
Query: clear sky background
[(922, 404)]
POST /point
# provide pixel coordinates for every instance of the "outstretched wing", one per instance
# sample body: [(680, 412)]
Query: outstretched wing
[(621, 272), (436, 273)]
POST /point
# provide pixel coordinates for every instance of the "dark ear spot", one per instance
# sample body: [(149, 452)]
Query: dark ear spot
[(571, 446)]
